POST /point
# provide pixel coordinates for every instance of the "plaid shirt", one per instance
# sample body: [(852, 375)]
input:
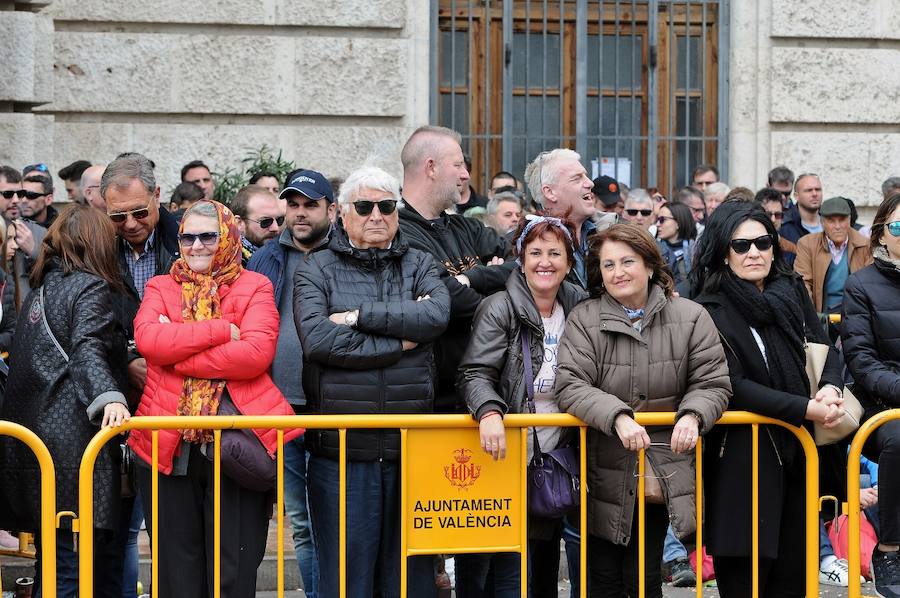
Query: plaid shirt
[(141, 266)]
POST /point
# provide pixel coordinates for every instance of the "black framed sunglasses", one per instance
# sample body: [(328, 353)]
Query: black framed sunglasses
[(742, 246), (266, 221), (9, 194), (32, 195), (138, 214), (364, 207), (633, 212), (206, 239)]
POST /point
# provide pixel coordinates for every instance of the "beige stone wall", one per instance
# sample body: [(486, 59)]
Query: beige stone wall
[(333, 84), (814, 86)]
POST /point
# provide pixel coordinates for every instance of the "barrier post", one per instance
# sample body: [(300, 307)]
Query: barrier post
[(48, 502)]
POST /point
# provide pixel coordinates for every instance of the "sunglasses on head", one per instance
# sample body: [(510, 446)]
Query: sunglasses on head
[(364, 207), (138, 214), (206, 239), (634, 212), (9, 194), (35, 167), (893, 228), (266, 221), (742, 246)]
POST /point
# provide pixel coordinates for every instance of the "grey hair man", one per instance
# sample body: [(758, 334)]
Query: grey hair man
[(470, 256), (640, 209), (557, 179), (90, 186), (504, 212), (369, 309)]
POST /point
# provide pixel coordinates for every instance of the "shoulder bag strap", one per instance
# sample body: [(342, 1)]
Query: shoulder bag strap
[(47, 326), (525, 338)]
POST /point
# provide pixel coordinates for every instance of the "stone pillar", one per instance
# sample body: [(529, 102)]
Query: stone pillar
[(26, 81)]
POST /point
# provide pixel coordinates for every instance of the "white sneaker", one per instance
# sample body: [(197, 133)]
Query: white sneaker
[(835, 572)]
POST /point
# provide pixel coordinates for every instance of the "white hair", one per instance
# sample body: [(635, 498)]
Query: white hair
[(370, 177), (493, 204), (638, 195), (717, 189), (544, 170)]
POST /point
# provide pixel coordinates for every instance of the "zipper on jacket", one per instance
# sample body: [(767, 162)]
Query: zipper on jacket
[(380, 373), (774, 446), (724, 441)]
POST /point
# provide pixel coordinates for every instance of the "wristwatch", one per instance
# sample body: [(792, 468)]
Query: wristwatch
[(351, 318)]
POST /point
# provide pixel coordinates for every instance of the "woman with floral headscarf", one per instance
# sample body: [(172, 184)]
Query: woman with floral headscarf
[(493, 379), (206, 331)]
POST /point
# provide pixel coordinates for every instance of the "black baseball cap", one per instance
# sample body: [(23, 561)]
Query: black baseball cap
[(607, 189)]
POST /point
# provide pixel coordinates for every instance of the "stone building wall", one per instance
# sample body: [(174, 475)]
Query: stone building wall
[(334, 84), (814, 85)]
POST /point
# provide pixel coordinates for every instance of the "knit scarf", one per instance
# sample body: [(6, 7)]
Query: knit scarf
[(777, 315), (200, 301)]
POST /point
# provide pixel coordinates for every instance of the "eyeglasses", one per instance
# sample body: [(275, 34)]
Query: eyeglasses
[(662, 220), (742, 246), (9, 194), (641, 212), (775, 215), (266, 221), (32, 167), (206, 239), (138, 214), (364, 207), (894, 228), (32, 195)]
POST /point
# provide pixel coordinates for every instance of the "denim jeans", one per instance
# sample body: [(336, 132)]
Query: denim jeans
[(494, 574), (572, 539), (673, 549), (131, 566), (295, 502), (108, 552), (373, 531)]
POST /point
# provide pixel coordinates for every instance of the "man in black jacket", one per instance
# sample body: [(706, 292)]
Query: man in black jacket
[(367, 309), (470, 257)]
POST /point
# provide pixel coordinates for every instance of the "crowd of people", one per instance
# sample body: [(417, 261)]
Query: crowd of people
[(552, 293)]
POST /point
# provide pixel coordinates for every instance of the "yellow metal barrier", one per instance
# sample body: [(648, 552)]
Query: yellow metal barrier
[(48, 503), (859, 439), (431, 422)]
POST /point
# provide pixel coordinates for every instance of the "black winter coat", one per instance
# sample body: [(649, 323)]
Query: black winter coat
[(364, 369), (62, 402), (870, 331), (459, 245), (727, 449)]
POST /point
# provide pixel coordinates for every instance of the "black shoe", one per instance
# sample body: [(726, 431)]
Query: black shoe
[(886, 573), (683, 576)]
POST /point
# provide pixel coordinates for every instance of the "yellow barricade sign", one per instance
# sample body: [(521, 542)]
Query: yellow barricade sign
[(458, 497)]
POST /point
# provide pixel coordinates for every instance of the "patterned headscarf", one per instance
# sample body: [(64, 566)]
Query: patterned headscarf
[(200, 301)]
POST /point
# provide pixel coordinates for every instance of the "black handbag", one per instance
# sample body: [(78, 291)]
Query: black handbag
[(244, 458), (554, 482)]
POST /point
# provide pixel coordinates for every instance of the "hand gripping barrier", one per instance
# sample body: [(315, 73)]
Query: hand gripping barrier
[(48, 502), (414, 424)]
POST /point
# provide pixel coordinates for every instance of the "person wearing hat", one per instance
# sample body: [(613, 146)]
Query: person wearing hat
[(826, 259), (309, 218), (607, 196)]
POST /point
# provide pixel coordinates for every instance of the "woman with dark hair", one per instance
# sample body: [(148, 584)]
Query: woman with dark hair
[(206, 330), (765, 317), (676, 233), (870, 332), (493, 378), (65, 383), (634, 346)]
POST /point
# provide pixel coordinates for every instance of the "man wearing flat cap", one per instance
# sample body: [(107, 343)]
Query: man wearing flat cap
[(826, 259)]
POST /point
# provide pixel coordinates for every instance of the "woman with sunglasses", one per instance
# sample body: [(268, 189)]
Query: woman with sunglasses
[(634, 346), (765, 317), (493, 379), (870, 331), (676, 233), (205, 330)]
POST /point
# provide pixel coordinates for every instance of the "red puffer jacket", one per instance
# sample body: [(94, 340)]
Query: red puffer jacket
[(205, 350)]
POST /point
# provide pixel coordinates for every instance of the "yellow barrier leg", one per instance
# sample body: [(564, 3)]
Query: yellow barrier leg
[(698, 483), (279, 492), (853, 557), (217, 514), (342, 514), (154, 510), (404, 489), (523, 515), (754, 555), (642, 583)]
